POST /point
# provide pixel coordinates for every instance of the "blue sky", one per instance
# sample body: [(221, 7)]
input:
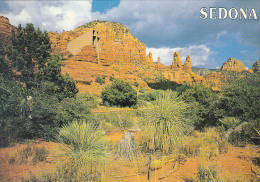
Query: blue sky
[(164, 26)]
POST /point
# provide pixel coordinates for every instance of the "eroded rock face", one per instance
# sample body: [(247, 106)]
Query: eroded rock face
[(256, 67), (121, 55), (233, 65), (5, 30), (187, 64), (116, 42), (87, 54), (214, 78), (177, 63)]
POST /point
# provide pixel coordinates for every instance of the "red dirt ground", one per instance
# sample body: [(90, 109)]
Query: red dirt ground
[(235, 164)]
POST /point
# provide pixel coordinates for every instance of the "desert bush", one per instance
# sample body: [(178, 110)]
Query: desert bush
[(29, 154), (149, 96), (165, 123), (120, 120), (136, 84), (70, 170), (140, 104), (120, 93), (85, 140), (163, 84), (88, 99), (100, 80), (48, 114), (86, 151), (207, 174), (142, 89), (206, 108), (241, 98), (229, 122), (40, 154), (210, 143)]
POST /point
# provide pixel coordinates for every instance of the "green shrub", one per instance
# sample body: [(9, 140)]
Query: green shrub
[(120, 93), (149, 96), (136, 84), (205, 104), (241, 98), (100, 80), (140, 104), (119, 120), (89, 100), (142, 89)]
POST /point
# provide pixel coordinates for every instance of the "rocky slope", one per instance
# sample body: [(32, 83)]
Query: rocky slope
[(5, 30), (121, 56), (201, 71), (233, 64)]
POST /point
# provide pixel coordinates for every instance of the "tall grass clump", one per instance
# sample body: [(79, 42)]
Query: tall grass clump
[(165, 122), (85, 140), (210, 143), (230, 122), (86, 151)]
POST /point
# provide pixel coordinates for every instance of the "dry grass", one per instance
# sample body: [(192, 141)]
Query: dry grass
[(208, 144), (29, 154)]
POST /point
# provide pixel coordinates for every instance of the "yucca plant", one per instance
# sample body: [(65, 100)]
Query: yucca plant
[(230, 122), (85, 141), (167, 120)]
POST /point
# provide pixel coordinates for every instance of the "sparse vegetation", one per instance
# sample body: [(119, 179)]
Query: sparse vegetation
[(29, 154)]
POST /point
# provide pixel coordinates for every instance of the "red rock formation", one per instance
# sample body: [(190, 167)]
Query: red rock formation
[(233, 64), (214, 78), (177, 63), (5, 30), (187, 64), (149, 57), (87, 54), (116, 42)]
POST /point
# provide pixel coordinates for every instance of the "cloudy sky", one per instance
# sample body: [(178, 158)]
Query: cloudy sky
[(164, 26)]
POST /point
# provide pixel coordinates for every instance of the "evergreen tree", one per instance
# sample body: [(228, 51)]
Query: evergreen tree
[(28, 53), (5, 68), (57, 83)]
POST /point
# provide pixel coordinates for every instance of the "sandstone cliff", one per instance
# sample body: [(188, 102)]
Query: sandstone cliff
[(121, 55), (187, 64), (233, 64), (116, 42), (176, 63), (5, 30)]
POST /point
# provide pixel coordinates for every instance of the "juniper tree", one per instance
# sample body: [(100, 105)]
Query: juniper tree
[(29, 52)]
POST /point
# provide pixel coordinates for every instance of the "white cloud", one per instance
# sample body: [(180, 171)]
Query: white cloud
[(50, 15), (177, 23), (199, 54), (22, 17)]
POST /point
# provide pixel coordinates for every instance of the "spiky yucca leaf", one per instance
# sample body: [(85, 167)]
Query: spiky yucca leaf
[(85, 140), (167, 120)]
